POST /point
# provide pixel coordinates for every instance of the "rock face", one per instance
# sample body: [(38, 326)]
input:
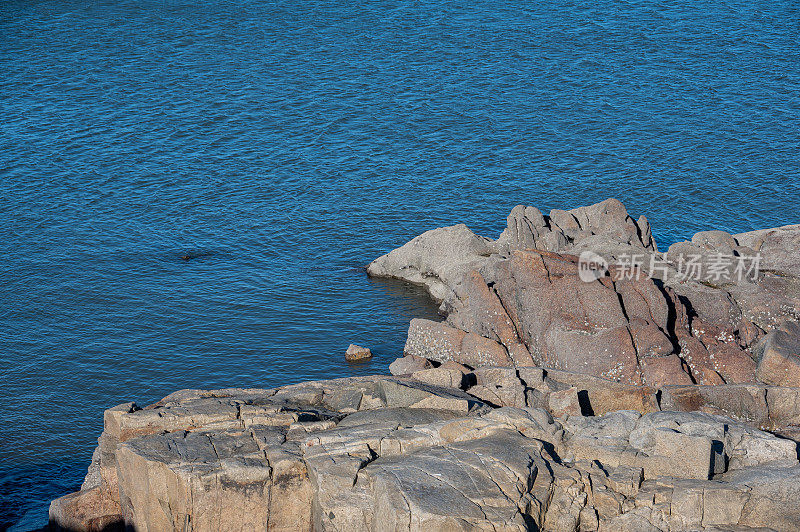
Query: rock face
[(388, 453), (695, 314), (779, 356), (593, 227)]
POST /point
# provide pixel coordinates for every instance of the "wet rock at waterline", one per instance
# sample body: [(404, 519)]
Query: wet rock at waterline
[(356, 353)]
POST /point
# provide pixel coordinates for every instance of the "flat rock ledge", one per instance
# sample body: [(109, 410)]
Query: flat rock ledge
[(400, 453)]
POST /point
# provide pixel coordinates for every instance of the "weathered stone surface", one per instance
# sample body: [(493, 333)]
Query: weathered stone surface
[(599, 396), (783, 406), (202, 479), (746, 403), (671, 369), (677, 454), (408, 365), (564, 403), (440, 376), (535, 303), (779, 354), (411, 456), (758, 273), (90, 510), (777, 247), (777, 408), (600, 227), (441, 342), (500, 386), (530, 308), (455, 487), (526, 229), (520, 301), (773, 497), (436, 259), (672, 444)]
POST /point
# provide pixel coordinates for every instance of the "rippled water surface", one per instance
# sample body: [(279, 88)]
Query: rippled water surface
[(282, 146)]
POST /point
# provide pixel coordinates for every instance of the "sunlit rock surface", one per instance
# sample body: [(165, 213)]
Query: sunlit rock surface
[(388, 453), (698, 313), (554, 396)]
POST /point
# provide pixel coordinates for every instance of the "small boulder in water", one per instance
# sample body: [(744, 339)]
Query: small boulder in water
[(356, 353)]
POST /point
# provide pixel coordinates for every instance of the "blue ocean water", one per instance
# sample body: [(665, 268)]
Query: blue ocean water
[(283, 145)]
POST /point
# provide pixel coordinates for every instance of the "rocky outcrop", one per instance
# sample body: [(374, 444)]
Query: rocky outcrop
[(748, 283), (532, 308), (436, 259), (389, 453), (439, 258), (605, 226), (695, 314), (563, 392)]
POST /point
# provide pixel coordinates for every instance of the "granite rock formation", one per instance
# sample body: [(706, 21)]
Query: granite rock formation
[(698, 313), (396, 453), (580, 381)]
